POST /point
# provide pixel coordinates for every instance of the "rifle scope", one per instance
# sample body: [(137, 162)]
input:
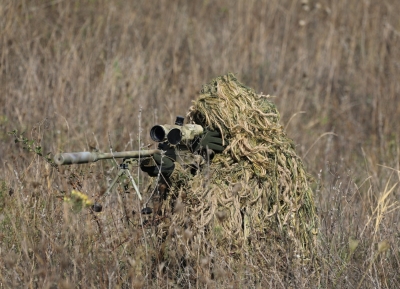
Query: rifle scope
[(174, 134)]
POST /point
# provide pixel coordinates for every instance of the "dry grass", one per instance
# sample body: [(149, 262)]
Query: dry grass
[(76, 75)]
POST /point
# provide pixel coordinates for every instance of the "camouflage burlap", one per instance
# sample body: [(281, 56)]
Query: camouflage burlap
[(249, 209)]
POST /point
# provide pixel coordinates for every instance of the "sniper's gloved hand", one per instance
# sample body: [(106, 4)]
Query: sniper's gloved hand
[(161, 163), (210, 140)]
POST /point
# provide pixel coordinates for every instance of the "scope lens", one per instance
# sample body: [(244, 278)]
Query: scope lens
[(174, 136), (157, 133)]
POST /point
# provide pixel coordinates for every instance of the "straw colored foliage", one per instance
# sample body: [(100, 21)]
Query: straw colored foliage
[(251, 198)]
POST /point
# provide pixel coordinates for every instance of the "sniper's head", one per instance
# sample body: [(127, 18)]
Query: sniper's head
[(226, 104)]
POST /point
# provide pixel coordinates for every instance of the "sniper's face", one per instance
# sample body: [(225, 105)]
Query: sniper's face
[(198, 118)]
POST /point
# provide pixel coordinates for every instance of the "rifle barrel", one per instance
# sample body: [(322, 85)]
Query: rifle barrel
[(89, 157)]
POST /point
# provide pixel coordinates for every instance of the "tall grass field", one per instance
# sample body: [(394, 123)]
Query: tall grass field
[(96, 75)]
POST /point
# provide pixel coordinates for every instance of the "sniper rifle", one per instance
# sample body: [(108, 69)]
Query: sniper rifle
[(178, 136)]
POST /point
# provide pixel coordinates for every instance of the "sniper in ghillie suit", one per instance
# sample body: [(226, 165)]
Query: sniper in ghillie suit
[(230, 195)]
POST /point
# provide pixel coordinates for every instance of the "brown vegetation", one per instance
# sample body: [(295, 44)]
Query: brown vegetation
[(83, 75)]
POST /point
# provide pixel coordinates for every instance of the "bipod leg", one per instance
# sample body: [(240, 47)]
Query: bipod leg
[(125, 169), (120, 173), (134, 184)]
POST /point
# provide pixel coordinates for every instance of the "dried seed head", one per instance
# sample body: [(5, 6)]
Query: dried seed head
[(353, 244), (204, 262), (383, 246), (187, 234), (221, 215), (237, 188), (179, 206)]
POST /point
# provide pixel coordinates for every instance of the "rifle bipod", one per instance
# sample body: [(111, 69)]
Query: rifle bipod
[(124, 170)]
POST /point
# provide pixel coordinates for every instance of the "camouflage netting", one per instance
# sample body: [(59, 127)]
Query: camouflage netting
[(252, 203)]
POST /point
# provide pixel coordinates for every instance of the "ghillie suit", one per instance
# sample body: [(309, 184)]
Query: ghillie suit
[(249, 210)]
